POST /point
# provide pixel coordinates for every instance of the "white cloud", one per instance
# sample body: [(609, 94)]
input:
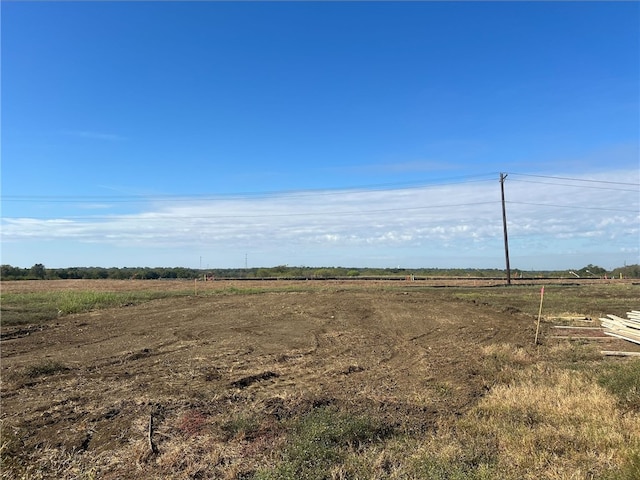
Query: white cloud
[(542, 217)]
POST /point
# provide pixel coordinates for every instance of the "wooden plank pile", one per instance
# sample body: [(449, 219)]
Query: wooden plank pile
[(624, 328)]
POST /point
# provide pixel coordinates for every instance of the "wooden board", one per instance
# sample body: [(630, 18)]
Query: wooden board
[(614, 353), (624, 337)]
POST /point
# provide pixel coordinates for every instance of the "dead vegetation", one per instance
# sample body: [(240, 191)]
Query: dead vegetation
[(321, 383)]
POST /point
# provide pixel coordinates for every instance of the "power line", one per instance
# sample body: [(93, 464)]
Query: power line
[(240, 195), (159, 216), (577, 179), (573, 206), (577, 186)]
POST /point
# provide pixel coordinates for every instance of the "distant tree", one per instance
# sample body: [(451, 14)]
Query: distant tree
[(591, 271), (74, 273), (38, 271), (7, 272), (324, 273), (117, 273), (628, 271), (150, 274), (170, 273)]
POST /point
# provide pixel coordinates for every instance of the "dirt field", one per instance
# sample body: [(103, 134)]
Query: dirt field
[(411, 355)]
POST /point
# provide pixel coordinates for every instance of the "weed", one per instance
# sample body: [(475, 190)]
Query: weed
[(241, 426), (48, 367), (319, 442), (191, 423)]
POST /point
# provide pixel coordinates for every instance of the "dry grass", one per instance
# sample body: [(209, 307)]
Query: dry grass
[(545, 422), (556, 424)]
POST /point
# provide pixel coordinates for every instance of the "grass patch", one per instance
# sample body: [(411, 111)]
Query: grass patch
[(543, 418), (19, 308), (269, 287), (555, 424), (241, 426), (45, 368), (623, 380), (630, 470), (77, 302), (591, 300), (437, 469), (34, 307), (501, 362), (231, 290), (319, 444)]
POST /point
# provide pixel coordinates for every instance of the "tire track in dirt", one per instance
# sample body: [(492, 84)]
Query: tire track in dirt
[(413, 352)]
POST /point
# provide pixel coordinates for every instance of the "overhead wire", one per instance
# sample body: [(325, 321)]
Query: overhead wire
[(576, 179), (307, 193), (143, 198), (577, 186), (160, 216), (579, 207)]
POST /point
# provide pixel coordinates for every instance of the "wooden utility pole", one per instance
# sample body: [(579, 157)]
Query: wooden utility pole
[(504, 228)]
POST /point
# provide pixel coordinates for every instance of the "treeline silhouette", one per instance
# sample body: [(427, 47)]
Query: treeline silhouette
[(40, 272)]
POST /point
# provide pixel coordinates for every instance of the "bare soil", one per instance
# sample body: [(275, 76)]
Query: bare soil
[(410, 355)]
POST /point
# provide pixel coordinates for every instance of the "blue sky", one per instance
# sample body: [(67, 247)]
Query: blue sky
[(320, 134)]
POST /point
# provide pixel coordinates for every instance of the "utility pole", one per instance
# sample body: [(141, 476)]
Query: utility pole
[(504, 228)]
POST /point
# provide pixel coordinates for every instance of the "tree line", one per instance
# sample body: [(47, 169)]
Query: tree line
[(40, 272)]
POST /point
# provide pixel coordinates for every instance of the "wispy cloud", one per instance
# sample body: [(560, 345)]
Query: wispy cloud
[(545, 217), (94, 206)]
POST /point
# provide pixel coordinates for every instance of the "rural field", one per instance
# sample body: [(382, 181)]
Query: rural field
[(342, 379)]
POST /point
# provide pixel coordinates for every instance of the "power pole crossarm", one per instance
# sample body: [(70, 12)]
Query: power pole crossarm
[(503, 176)]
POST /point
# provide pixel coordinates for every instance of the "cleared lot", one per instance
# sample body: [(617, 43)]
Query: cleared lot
[(219, 382)]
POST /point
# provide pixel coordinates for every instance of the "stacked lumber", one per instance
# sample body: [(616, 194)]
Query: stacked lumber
[(624, 328)]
